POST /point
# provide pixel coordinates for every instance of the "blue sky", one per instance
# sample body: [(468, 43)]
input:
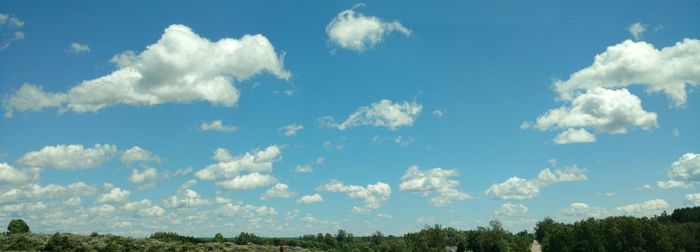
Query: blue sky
[(507, 110)]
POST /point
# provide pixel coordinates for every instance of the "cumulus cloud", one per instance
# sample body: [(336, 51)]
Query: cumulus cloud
[(292, 129), (279, 190), (139, 154), (637, 30), (217, 125), (147, 178), (668, 70), (516, 188), (683, 173), (309, 199), (11, 175), (693, 199), (115, 195), (78, 48), (435, 182), (245, 211), (143, 208), (185, 197), (181, 67), (8, 20), (647, 208), (383, 113), (604, 110), (510, 209), (228, 172), (357, 32), (373, 195), (36, 192), (68, 157), (247, 181)]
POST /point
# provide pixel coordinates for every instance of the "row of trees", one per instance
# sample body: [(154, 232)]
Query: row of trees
[(679, 231)]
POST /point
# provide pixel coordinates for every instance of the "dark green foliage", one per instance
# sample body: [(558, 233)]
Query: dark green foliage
[(678, 232), (17, 226), (245, 238), (172, 236), (218, 237)]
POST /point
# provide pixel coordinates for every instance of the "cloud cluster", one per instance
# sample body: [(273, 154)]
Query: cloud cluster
[(68, 157), (647, 208), (138, 154), (604, 110), (12, 23), (436, 182), (185, 197), (181, 67), (309, 199), (373, 195), (511, 210), (242, 172), (669, 70), (516, 188), (357, 32), (683, 173), (383, 113), (115, 195)]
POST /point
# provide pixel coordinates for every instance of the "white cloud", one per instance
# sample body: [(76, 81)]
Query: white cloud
[(384, 113), (668, 70), (572, 135), (230, 166), (185, 197), (279, 190), (68, 157), (309, 199), (357, 32), (372, 195), (10, 21), (578, 211), (510, 209), (683, 173), (434, 182), (247, 182), (439, 113), (693, 199), (139, 154), (16, 36), (303, 169), (144, 208), (516, 188), (36, 192), (245, 211), (102, 210), (181, 67), (292, 129), (78, 48), (73, 201), (115, 195), (11, 175), (647, 208), (217, 125), (637, 30), (605, 110), (147, 177)]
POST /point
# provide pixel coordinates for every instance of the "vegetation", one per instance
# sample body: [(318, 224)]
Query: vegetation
[(676, 232)]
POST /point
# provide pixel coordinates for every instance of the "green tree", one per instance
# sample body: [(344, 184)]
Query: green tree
[(17, 226), (218, 237)]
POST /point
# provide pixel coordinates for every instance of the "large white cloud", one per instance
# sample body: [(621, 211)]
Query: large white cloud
[(383, 113), (509, 210), (37, 192), (604, 110), (185, 197), (146, 178), (72, 156), (683, 173), (578, 211), (434, 182), (646, 208), (181, 67), (693, 199), (357, 32), (516, 188), (373, 195), (668, 70), (244, 171)]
